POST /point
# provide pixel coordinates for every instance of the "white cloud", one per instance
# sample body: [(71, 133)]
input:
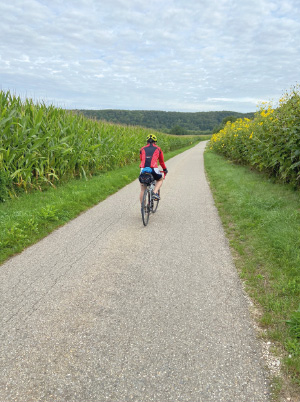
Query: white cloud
[(171, 55)]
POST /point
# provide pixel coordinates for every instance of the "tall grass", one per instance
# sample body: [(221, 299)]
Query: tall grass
[(270, 142), (40, 145)]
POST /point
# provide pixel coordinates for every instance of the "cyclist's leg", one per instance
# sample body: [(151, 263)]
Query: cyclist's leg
[(158, 185), (159, 179)]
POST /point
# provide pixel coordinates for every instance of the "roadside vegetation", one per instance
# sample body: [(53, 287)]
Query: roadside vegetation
[(254, 171), (270, 142)]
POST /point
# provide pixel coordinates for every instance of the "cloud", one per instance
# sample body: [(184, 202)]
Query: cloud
[(171, 55)]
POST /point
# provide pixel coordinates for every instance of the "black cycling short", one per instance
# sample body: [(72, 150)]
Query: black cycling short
[(155, 173)]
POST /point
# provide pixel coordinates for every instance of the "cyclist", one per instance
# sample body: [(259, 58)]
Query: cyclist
[(149, 156)]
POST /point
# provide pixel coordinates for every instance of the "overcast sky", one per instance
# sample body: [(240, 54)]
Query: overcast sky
[(172, 55)]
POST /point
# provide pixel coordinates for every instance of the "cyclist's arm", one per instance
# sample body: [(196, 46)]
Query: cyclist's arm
[(161, 160), (142, 158)]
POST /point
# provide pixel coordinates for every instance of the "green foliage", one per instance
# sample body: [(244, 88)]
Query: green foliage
[(193, 123), (40, 145), (49, 213), (178, 130), (14, 234), (270, 142), (294, 323), (4, 185)]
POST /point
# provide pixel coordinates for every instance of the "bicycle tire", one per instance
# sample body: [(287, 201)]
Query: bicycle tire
[(156, 202), (145, 208)]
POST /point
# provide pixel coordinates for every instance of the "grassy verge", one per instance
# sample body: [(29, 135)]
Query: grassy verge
[(33, 215), (262, 221)]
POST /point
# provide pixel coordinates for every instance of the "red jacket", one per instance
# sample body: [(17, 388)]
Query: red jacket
[(149, 156)]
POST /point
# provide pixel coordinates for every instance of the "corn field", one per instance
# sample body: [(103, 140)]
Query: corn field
[(40, 145)]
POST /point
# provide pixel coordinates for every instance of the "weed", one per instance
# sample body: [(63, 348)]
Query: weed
[(294, 323), (49, 213), (15, 234)]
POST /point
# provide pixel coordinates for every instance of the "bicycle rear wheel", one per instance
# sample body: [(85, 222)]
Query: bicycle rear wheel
[(155, 203), (145, 207)]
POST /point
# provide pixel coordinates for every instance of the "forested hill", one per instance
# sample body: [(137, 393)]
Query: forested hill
[(175, 122)]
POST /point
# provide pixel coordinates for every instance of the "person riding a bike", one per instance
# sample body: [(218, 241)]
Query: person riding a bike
[(149, 156)]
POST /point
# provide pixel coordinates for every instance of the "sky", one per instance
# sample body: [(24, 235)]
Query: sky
[(168, 55)]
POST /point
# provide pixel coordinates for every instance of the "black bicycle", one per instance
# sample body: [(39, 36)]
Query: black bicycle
[(149, 204)]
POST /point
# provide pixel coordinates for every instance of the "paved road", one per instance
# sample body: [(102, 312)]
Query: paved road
[(105, 309)]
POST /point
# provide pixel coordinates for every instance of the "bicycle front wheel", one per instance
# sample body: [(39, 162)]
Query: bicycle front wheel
[(145, 208)]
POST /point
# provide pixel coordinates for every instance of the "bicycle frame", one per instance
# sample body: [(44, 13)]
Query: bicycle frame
[(149, 205)]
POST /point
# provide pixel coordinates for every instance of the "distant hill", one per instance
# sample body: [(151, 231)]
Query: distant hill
[(169, 122)]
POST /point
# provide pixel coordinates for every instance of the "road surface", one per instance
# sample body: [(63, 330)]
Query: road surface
[(105, 309)]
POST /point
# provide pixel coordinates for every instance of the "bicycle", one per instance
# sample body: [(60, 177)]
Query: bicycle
[(149, 204)]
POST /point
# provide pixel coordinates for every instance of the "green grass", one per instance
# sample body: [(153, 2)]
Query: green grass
[(262, 220), (27, 219)]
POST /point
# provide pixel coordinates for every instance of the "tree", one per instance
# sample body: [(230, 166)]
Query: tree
[(178, 130)]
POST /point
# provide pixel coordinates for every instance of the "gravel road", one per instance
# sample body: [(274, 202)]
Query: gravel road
[(105, 309)]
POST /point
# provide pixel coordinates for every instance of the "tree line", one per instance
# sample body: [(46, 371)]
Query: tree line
[(180, 123)]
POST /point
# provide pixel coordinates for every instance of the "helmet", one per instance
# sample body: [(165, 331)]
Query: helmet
[(151, 138)]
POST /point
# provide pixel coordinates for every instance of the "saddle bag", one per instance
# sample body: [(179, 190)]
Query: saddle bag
[(146, 178)]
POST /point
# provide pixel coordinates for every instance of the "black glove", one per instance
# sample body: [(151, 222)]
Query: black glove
[(165, 171)]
